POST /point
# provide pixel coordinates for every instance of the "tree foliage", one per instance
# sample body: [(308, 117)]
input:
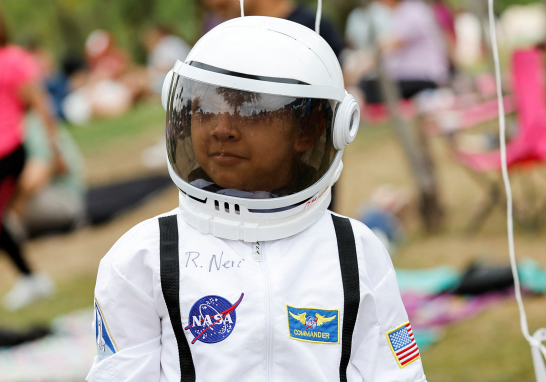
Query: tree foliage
[(63, 25)]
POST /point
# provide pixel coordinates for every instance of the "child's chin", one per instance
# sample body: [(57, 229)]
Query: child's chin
[(230, 183)]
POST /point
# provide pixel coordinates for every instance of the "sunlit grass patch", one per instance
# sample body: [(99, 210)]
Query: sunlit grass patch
[(102, 133)]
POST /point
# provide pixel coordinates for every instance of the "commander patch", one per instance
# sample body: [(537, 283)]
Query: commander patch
[(313, 325), (403, 345), (106, 346)]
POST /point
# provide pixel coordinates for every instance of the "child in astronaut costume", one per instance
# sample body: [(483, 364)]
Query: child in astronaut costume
[(251, 278)]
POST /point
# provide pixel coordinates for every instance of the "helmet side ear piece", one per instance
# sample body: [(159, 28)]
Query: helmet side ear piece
[(346, 122), (166, 88)]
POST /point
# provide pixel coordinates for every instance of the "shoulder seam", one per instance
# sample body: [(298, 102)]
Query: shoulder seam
[(383, 279), (139, 226), (129, 282)]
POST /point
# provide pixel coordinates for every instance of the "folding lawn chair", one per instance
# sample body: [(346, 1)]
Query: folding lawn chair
[(528, 146)]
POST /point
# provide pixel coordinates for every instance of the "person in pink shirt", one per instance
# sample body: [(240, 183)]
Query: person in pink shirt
[(19, 90)]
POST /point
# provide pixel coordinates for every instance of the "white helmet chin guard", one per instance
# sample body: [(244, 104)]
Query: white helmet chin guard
[(257, 121)]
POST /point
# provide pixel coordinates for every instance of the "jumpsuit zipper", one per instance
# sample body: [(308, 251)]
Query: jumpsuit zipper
[(259, 255)]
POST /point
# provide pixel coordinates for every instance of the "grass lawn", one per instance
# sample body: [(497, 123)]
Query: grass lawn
[(488, 347), (101, 134)]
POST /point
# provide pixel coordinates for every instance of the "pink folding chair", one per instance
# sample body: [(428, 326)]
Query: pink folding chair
[(528, 146), (377, 113)]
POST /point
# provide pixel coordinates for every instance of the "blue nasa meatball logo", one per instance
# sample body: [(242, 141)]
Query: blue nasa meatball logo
[(212, 319)]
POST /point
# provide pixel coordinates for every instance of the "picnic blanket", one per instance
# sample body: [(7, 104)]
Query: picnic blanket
[(437, 297), (64, 356)]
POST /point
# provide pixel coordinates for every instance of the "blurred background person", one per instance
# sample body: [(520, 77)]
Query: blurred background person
[(107, 63), (58, 79), (48, 199), (365, 25), (285, 9), (20, 88), (105, 59), (163, 48), (414, 51), (112, 85), (210, 20)]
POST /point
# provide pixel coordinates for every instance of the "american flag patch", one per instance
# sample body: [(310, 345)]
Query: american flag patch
[(403, 345)]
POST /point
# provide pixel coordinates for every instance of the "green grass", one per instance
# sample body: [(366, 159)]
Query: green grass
[(71, 295), (102, 133)]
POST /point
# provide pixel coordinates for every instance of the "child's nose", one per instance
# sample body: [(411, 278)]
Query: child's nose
[(225, 130)]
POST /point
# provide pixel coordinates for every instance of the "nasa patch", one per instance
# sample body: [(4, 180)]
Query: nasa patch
[(212, 319), (313, 325), (106, 346)]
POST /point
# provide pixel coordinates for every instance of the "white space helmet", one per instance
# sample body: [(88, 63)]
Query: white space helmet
[(257, 120)]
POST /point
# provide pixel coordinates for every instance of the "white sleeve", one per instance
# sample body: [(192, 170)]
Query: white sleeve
[(127, 325), (391, 315)]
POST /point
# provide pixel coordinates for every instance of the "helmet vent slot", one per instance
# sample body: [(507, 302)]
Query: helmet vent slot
[(237, 210), (226, 207), (217, 205)]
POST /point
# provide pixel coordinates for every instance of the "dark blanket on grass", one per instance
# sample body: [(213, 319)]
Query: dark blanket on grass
[(103, 203), (106, 202)]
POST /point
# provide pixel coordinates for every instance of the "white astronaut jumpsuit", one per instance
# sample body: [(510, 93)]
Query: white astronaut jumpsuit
[(271, 311)]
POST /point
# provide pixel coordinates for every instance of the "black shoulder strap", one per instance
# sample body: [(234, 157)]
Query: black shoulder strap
[(351, 288), (170, 285)]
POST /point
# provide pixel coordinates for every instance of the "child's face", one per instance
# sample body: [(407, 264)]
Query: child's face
[(246, 153), (247, 141)]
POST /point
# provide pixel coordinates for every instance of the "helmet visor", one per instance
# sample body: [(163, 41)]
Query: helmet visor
[(246, 144)]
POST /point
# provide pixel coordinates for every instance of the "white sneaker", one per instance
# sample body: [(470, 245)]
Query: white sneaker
[(27, 290)]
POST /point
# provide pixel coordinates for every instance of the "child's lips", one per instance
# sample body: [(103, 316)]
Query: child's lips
[(226, 158)]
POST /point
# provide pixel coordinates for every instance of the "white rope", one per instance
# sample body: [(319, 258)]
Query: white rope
[(242, 7), (319, 15), (533, 341)]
